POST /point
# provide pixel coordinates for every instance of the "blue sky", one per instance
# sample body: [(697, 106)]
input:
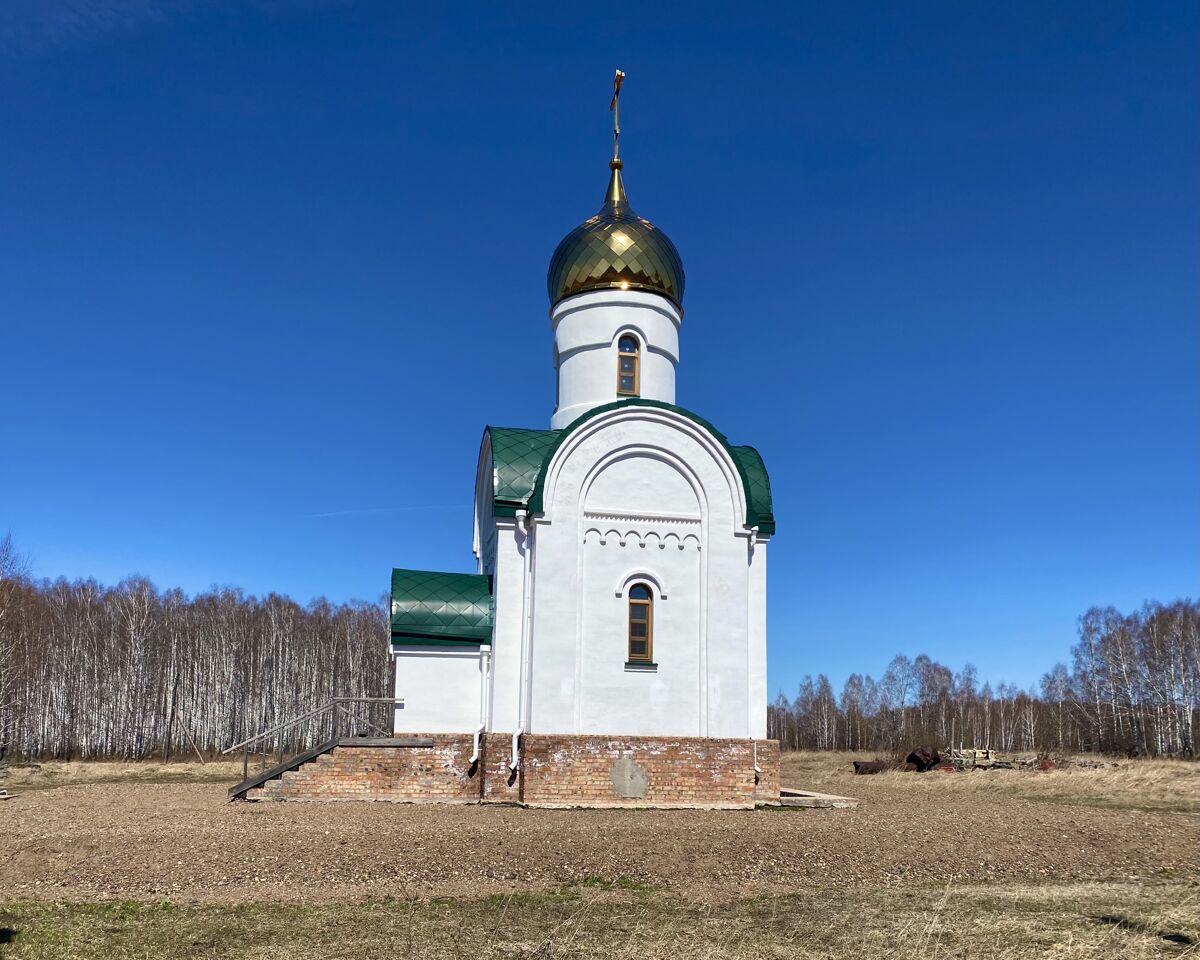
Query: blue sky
[(267, 269)]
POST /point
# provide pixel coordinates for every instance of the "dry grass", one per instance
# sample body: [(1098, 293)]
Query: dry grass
[(65, 773), (1169, 786), (1075, 922)]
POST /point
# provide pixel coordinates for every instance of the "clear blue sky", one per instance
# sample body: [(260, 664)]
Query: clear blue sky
[(267, 270)]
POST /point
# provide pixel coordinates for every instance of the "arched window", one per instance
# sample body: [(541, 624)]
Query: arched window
[(641, 624), (628, 364)]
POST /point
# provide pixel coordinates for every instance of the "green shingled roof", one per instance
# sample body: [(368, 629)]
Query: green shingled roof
[(759, 511), (430, 607), (517, 457), (520, 458)]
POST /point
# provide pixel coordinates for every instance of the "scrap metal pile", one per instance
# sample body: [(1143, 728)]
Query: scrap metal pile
[(925, 758)]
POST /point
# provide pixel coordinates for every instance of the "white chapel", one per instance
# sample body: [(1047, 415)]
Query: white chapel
[(620, 587)]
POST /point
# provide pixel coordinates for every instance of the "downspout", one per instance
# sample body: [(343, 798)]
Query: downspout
[(516, 749), (522, 519), (475, 745), (484, 677), (750, 544)]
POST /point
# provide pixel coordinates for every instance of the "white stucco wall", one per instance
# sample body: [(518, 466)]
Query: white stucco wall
[(643, 493), (440, 686), (587, 327)]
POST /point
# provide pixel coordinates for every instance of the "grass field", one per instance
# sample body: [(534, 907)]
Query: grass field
[(141, 860), (1070, 921), (1150, 785)]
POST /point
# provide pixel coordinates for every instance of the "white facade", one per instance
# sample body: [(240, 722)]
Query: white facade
[(639, 495)]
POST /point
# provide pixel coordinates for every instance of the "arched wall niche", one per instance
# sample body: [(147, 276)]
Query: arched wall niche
[(643, 481), (673, 441)]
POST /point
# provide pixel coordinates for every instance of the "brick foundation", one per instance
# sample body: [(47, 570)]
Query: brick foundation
[(766, 790), (555, 771), (500, 785), (588, 771)]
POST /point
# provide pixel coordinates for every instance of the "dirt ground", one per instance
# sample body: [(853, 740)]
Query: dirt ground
[(96, 832)]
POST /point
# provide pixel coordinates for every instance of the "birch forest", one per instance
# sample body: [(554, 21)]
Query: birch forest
[(127, 672), (130, 671), (1133, 687)]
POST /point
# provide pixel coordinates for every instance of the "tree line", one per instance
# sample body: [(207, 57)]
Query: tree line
[(89, 671), (1133, 686), (130, 671)]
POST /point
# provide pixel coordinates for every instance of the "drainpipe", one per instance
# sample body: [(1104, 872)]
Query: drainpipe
[(757, 768), (485, 673), (523, 685), (475, 745), (516, 749)]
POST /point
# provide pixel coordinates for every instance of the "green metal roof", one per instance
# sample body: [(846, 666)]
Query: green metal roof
[(520, 459), (430, 607), (759, 511), (517, 457)]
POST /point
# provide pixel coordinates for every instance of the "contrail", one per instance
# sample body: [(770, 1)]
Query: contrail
[(369, 510)]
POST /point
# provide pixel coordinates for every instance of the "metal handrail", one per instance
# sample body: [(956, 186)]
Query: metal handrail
[(336, 704), (324, 708)]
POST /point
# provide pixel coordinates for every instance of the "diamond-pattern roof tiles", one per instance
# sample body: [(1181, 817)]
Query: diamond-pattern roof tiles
[(615, 249), (440, 606), (517, 457), (759, 509)]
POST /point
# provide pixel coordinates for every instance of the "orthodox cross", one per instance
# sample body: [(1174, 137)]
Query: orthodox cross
[(615, 107)]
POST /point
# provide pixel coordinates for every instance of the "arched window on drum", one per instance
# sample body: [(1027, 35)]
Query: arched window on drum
[(629, 362)]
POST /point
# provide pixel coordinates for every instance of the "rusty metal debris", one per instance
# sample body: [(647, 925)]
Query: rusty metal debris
[(924, 758)]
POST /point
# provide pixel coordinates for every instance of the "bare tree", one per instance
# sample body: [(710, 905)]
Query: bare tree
[(1134, 686), (13, 570), (127, 671)]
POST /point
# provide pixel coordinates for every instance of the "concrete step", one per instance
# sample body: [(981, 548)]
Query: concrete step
[(790, 797)]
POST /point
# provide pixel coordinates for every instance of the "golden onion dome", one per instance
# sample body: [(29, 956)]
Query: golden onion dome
[(616, 250)]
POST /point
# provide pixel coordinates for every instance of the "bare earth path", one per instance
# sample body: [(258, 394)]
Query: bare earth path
[(182, 840)]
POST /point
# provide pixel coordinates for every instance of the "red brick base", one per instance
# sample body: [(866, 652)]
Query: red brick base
[(554, 771), (766, 786), (591, 771)]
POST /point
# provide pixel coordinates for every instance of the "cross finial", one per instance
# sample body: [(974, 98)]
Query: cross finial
[(615, 107)]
